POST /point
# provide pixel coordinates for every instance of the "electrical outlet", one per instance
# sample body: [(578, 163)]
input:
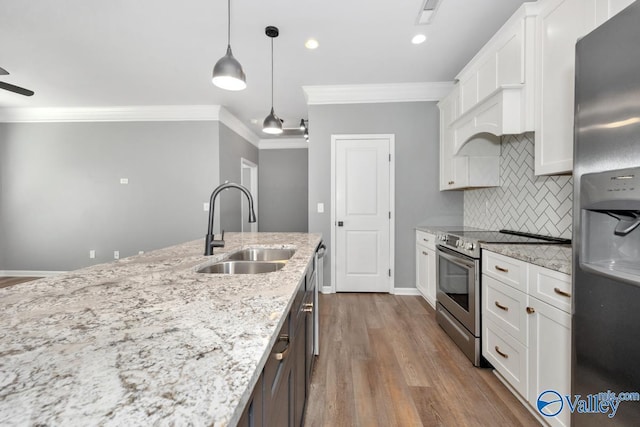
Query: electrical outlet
[(92, 253), (205, 206), (116, 254), (140, 252), (320, 207), (124, 180)]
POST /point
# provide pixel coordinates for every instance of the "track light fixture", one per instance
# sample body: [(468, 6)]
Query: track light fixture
[(304, 127), (228, 73), (272, 123)]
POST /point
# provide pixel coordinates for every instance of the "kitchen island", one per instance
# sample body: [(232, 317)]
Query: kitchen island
[(146, 339)]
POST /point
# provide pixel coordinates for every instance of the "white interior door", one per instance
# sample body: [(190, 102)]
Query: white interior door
[(362, 202)]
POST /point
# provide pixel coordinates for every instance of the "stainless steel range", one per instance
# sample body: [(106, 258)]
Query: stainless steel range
[(458, 281)]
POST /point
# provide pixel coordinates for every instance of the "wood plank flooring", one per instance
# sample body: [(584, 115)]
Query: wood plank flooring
[(5, 282), (384, 361)]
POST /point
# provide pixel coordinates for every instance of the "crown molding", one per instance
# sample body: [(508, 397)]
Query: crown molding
[(134, 113), (236, 125), (130, 113), (283, 143), (376, 93)]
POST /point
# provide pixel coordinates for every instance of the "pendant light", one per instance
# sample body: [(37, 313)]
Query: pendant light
[(228, 73), (272, 123)]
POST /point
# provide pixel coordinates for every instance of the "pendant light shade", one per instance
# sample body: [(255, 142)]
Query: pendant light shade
[(272, 123), (228, 73)]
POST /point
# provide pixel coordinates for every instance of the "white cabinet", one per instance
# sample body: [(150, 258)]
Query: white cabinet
[(549, 355), (527, 327), (493, 97), (479, 168), (560, 24), (426, 266), (504, 62)]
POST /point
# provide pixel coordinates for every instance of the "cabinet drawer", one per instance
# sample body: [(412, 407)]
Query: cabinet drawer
[(426, 239), (511, 271), (507, 355), (550, 286), (505, 306)]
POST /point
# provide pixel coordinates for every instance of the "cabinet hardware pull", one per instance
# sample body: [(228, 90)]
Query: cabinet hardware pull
[(451, 182), (504, 270), (561, 292), (424, 253), (506, 356), (531, 310), (426, 240), (307, 307), (500, 306), (282, 354)]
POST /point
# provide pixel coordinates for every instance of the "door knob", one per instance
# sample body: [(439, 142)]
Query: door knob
[(340, 223)]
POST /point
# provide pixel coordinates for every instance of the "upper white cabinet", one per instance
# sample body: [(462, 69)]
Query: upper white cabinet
[(560, 23), (478, 165), (496, 86), (493, 97)]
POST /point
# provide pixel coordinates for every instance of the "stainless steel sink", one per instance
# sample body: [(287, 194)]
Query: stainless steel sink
[(243, 267), (262, 254)]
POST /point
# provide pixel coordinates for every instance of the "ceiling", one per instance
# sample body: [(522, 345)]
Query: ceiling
[(90, 53)]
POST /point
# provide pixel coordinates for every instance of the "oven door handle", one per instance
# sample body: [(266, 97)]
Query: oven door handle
[(456, 258)]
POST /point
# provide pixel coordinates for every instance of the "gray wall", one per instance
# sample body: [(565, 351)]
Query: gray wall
[(283, 189), (232, 148), (61, 194), (418, 199)]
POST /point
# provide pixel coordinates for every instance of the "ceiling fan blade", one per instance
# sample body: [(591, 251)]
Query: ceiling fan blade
[(16, 89), (3, 72)]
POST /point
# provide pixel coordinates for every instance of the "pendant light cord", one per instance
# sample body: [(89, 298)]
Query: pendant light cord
[(228, 22), (271, 73)]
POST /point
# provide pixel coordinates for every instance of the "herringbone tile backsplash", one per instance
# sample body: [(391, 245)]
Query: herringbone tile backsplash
[(523, 202)]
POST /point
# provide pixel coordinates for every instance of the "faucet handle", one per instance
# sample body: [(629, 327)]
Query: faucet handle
[(218, 243)]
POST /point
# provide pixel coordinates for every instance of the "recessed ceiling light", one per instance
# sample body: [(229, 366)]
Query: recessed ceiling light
[(311, 44), (418, 38)]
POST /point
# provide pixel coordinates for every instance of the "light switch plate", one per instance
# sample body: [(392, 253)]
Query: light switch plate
[(320, 207), (124, 180)]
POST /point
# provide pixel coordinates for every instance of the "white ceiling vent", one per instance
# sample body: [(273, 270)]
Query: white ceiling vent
[(425, 16)]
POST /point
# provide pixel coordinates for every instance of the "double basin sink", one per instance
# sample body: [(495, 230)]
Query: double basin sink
[(250, 261)]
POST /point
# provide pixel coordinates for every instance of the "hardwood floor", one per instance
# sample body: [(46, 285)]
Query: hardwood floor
[(384, 361), (5, 282)]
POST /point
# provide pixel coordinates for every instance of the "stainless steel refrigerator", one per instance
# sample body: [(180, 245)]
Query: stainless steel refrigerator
[(606, 215)]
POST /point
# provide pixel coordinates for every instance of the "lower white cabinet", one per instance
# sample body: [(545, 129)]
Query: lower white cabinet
[(527, 328), (426, 266), (549, 355)]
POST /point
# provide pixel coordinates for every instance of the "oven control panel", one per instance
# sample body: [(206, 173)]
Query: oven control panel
[(459, 244)]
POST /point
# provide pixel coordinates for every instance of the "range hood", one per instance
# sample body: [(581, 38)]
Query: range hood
[(503, 112)]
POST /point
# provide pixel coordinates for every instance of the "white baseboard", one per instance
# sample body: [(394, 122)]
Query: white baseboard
[(406, 291), (29, 273), (326, 290)]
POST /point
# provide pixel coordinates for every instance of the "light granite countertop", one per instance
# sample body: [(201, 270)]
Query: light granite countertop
[(554, 257), (144, 340)]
